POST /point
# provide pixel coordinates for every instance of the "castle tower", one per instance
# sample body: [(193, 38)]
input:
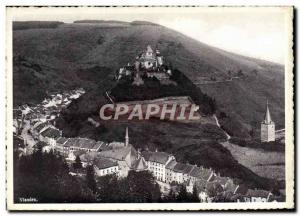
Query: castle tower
[(126, 137), (267, 127), (149, 51)]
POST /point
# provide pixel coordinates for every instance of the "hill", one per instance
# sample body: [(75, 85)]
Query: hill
[(88, 55)]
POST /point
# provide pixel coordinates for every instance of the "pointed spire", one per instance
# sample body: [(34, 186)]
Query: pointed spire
[(126, 137), (267, 118)]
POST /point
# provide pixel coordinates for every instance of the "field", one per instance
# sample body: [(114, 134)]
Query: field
[(264, 163)]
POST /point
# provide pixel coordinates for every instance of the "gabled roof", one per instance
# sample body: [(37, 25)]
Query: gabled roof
[(115, 145), (140, 164), (83, 143), (41, 126), (89, 156), (103, 163), (158, 157), (171, 164), (62, 140), (119, 154), (51, 133), (183, 168), (201, 173)]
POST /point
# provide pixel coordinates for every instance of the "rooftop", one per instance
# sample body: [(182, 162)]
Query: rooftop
[(62, 140), (201, 173), (103, 163), (120, 154), (83, 143), (158, 157), (51, 133)]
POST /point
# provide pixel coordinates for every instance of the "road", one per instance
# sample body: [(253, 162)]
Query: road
[(28, 139)]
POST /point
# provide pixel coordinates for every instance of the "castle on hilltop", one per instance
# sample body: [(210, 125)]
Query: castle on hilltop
[(147, 64), (267, 127)]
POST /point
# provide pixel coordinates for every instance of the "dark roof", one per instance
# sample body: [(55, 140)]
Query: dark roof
[(183, 168), (200, 185), (83, 143), (62, 140), (51, 132), (103, 163), (79, 153), (89, 156), (40, 144), (201, 173), (41, 126), (158, 157), (120, 153)]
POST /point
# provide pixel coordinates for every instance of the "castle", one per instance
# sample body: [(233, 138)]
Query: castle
[(147, 64), (267, 127)]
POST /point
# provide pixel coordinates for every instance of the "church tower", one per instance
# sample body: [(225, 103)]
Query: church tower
[(267, 127), (126, 137)]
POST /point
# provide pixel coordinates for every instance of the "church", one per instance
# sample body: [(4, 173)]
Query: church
[(267, 127)]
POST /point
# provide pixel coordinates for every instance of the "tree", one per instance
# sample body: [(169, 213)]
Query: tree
[(45, 176), (171, 197), (77, 165), (182, 195), (90, 178), (195, 195)]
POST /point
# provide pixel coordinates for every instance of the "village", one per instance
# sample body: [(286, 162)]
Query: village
[(35, 128)]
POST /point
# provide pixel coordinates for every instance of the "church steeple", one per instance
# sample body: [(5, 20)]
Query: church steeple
[(126, 137), (267, 127), (267, 119)]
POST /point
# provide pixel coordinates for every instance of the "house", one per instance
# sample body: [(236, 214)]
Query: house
[(125, 157), (59, 147), (258, 196), (72, 155), (39, 127), (104, 166), (169, 171), (200, 173), (157, 162), (85, 144), (88, 158), (50, 135), (180, 172)]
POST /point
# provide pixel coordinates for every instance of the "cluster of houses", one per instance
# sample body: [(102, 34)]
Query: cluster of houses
[(48, 110), (147, 64), (121, 157)]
